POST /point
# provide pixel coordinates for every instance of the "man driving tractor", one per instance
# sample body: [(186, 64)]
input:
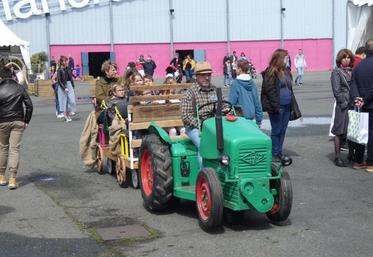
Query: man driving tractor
[(202, 92)]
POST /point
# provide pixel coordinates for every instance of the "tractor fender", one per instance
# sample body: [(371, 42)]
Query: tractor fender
[(155, 129), (254, 192)]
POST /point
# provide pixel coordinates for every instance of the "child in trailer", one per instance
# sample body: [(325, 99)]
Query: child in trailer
[(149, 81), (134, 80), (178, 130), (118, 100)]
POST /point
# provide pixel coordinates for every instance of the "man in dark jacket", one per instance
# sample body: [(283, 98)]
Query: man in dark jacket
[(13, 121), (362, 94), (149, 66)]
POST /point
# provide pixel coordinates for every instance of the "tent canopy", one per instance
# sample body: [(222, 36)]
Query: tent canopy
[(359, 22), (8, 38)]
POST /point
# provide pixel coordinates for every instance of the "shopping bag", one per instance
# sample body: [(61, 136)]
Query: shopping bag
[(332, 120), (294, 110), (358, 126)]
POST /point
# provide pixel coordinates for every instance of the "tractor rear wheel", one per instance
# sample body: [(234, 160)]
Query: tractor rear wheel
[(283, 200), (209, 199), (155, 171)]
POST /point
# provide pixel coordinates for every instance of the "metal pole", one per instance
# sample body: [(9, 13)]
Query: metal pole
[(282, 10), (333, 32), (228, 27), (111, 26), (48, 39), (171, 14)]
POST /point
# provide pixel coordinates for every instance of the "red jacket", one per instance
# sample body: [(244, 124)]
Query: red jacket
[(358, 59)]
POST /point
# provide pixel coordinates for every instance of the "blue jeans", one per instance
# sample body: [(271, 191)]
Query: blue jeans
[(227, 80), (55, 88), (279, 124), (300, 72), (193, 134), (67, 100), (188, 75)]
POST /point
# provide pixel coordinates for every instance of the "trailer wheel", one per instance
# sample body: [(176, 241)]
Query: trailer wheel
[(99, 160), (283, 200), (135, 179), (209, 199), (107, 165), (113, 169), (155, 172), (121, 173)]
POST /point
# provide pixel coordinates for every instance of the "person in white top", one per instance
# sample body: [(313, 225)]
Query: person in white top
[(300, 65)]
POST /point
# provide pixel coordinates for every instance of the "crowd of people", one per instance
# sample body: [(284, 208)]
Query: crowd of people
[(230, 67), (352, 85), (351, 82)]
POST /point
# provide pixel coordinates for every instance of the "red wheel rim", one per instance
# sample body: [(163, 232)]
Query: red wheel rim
[(275, 209), (203, 199), (146, 173)]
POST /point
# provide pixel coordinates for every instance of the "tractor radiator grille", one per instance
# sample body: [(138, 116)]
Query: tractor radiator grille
[(252, 160)]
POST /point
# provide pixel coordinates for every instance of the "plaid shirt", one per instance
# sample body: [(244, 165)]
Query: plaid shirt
[(202, 96)]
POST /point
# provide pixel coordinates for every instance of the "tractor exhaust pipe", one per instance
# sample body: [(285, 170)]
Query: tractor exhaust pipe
[(218, 121)]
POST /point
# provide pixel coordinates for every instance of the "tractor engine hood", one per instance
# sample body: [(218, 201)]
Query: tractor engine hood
[(235, 133)]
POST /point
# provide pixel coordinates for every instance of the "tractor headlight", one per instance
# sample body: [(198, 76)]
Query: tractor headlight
[(224, 160)]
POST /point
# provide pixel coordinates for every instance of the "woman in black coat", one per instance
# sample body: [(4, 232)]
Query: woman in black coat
[(340, 80), (276, 96)]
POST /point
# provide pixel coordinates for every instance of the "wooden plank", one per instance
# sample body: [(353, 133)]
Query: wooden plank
[(128, 164), (142, 113), (136, 143), (136, 99), (161, 123), (145, 107), (161, 87)]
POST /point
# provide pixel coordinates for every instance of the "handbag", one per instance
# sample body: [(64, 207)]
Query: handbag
[(358, 126), (294, 109)]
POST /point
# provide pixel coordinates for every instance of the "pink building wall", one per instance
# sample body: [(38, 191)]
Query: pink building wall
[(318, 52)]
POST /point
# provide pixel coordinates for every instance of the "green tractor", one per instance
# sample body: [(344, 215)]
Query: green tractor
[(237, 174)]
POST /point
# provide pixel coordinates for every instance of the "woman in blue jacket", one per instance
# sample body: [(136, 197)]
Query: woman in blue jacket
[(244, 93)]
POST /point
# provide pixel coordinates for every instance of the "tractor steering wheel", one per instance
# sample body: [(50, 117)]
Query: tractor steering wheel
[(212, 113)]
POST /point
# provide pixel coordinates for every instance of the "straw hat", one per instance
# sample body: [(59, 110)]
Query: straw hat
[(202, 68)]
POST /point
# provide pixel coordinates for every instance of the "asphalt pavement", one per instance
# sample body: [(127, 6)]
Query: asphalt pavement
[(61, 206)]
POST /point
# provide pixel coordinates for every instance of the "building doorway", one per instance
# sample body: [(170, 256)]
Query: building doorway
[(183, 54), (95, 60)]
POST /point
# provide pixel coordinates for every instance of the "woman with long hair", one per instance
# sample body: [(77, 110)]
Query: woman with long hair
[(340, 80), (276, 97), (66, 94)]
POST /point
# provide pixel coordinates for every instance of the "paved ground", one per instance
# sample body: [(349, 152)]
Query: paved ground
[(61, 204)]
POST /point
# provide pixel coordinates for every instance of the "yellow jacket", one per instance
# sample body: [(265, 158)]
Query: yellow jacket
[(191, 61)]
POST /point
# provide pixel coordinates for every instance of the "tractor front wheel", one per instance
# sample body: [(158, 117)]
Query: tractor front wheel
[(155, 171), (283, 200), (209, 199)]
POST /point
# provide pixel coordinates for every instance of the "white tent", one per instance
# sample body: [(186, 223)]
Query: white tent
[(359, 23), (8, 38)]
